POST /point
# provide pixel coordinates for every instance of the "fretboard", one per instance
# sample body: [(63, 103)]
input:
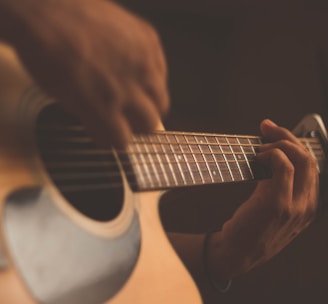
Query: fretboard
[(173, 159)]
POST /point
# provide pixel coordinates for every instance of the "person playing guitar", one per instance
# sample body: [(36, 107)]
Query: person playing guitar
[(106, 66)]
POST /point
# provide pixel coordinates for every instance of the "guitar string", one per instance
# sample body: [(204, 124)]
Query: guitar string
[(127, 172), (164, 133), (313, 142), (148, 139), (319, 155), (158, 177), (101, 163)]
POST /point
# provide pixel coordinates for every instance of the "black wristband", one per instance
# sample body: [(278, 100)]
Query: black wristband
[(221, 286)]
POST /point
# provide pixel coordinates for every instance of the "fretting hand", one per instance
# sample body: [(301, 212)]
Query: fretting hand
[(278, 210)]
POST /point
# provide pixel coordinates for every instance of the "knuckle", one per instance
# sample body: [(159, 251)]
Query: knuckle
[(311, 162), (288, 168), (284, 165), (277, 154), (284, 132)]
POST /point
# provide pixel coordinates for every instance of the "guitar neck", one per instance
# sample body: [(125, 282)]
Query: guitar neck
[(165, 160)]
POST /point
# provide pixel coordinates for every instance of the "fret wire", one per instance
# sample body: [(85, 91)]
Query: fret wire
[(183, 161), (177, 161), (315, 154), (194, 153), (65, 176), (152, 165), (118, 174), (187, 162), (190, 143), (191, 183), (68, 163), (223, 161), (235, 158), (98, 186), (206, 162), (170, 165), (161, 165), (196, 161), (141, 164), (225, 158), (110, 152), (140, 177), (110, 174), (246, 159), (215, 161), (252, 146), (101, 163)]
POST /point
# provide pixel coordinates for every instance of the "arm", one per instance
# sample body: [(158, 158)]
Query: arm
[(278, 210), (100, 62), (218, 8)]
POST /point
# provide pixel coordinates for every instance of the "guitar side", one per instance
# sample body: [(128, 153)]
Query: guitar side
[(158, 276)]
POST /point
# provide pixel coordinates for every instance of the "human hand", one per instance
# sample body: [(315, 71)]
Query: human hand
[(277, 211), (100, 62)]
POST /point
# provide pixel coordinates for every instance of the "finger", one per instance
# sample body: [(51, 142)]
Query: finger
[(282, 174), (302, 160), (158, 92), (273, 132), (154, 85), (158, 55), (141, 113), (108, 128)]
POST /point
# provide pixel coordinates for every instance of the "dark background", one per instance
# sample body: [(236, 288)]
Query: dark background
[(231, 64)]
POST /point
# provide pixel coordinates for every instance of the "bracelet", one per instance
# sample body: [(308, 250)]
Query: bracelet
[(222, 287)]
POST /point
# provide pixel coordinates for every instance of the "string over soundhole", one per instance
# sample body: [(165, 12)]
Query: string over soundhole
[(87, 176)]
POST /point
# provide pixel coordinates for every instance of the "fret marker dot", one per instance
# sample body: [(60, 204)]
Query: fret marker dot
[(179, 157), (239, 157), (214, 173)]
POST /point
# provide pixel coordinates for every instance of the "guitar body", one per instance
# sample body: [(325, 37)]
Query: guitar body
[(52, 253)]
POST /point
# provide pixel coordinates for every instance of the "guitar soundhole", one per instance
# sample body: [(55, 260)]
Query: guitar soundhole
[(87, 176)]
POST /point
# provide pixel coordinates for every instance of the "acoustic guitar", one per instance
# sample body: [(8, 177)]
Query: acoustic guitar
[(80, 224)]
